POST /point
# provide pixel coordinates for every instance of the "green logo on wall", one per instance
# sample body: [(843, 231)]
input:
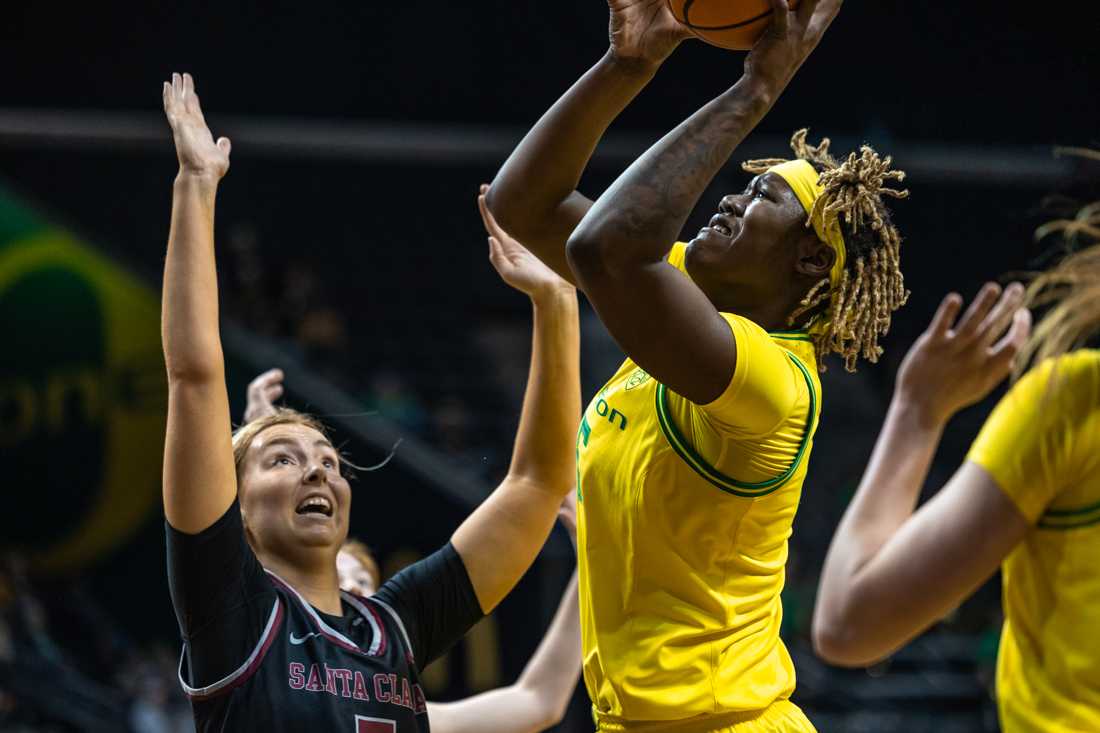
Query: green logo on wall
[(82, 396)]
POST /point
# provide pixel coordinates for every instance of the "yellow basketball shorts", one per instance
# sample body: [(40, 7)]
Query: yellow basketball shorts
[(782, 716)]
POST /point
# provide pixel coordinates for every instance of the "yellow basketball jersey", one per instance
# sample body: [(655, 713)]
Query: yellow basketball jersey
[(683, 521), (1042, 447)]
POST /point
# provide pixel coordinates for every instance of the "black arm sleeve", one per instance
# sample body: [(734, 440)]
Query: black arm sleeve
[(221, 594), (436, 602)]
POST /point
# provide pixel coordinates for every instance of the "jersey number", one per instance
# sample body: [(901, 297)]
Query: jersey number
[(374, 725)]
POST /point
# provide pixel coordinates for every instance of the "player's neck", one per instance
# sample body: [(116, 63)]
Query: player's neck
[(768, 309), (314, 577)]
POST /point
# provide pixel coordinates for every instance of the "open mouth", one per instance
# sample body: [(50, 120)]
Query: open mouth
[(721, 224), (315, 505)]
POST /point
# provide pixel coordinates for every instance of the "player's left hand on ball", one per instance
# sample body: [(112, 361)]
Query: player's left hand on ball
[(517, 267), (953, 364)]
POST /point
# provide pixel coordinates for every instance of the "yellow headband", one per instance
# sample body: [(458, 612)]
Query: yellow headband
[(801, 176)]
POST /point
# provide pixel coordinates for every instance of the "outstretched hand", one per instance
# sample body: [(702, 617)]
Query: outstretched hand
[(953, 365), (517, 266), (195, 147), (262, 393), (789, 39), (644, 30)]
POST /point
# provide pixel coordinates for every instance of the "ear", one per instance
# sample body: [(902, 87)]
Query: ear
[(815, 258)]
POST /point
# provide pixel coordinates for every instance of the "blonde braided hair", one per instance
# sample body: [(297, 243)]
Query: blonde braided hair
[(871, 287)]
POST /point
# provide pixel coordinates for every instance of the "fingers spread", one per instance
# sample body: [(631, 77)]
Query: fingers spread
[(995, 323), (806, 11), (781, 14), (945, 315), (822, 15), (1004, 351), (976, 313)]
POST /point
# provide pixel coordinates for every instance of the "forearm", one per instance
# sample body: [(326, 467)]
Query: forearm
[(500, 540), (530, 192), (503, 710), (546, 437), (553, 670), (884, 501), (189, 306), (539, 698), (638, 218)]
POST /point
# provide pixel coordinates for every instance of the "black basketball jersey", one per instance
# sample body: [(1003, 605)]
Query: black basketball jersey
[(303, 670)]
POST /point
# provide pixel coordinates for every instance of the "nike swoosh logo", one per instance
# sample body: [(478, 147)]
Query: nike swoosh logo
[(302, 639)]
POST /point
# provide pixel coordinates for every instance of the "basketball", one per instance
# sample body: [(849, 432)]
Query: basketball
[(733, 24)]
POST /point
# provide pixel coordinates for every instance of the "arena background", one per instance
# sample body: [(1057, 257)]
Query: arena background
[(351, 255)]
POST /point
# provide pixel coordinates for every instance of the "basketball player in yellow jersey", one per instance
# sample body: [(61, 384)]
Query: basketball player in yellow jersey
[(1027, 498), (692, 457)]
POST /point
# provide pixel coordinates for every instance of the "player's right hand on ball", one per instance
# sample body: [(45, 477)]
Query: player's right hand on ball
[(644, 30), (195, 147), (516, 265), (791, 36)]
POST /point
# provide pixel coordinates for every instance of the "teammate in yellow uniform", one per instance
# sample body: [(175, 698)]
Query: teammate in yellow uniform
[(1027, 498), (691, 459), (681, 609)]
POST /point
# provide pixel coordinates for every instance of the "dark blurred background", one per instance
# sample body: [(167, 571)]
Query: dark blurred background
[(351, 255)]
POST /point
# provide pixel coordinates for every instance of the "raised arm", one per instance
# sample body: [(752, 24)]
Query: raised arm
[(890, 573), (199, 477), (500, 540), (540, 696), (534, 195), (662, 320)]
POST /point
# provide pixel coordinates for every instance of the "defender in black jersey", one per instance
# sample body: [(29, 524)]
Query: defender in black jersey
[(260, 657), (255, 519)]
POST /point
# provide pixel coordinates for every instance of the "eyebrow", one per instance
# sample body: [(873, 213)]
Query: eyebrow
[(294, 443)]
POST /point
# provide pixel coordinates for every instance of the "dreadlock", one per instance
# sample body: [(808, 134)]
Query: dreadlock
[(858, 310), (1070, 289)]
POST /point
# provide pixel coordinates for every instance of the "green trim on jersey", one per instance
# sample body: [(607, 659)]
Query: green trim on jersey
[(714, 476), (798, 334), (1070, 518)]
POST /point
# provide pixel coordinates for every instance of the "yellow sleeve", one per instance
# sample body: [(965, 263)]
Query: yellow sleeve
[(764, 388), (1035, 440), (676, 257)]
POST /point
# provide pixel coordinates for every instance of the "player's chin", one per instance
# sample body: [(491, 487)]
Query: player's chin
[(708, 246)]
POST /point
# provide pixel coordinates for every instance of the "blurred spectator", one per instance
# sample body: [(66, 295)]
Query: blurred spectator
[(389, 395)]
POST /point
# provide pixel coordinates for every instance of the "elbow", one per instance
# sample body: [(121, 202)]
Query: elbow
[(589, 253), (543, 713), (840, 643), (506, 210), (185, 373)]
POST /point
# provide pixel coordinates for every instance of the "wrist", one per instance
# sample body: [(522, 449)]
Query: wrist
[(918, 413), (629, 66), (761, 89), (554, 296), (205, 180)]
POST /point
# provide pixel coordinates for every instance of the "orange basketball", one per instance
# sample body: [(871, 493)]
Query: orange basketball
[(734, 24)]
